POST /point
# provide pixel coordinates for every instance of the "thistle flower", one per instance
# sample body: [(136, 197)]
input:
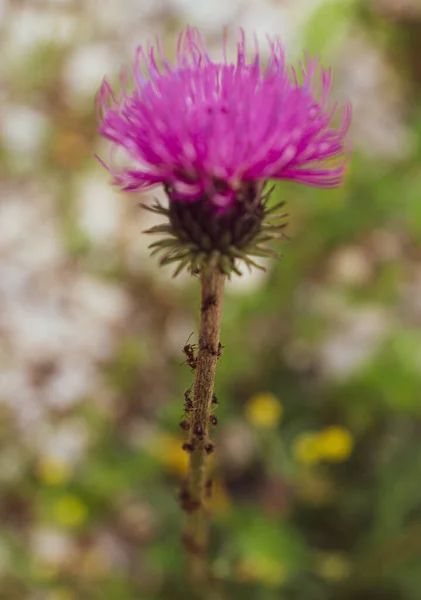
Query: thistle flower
[(213, 134)]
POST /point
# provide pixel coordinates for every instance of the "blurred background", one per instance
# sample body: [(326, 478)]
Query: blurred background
[(317, 478)]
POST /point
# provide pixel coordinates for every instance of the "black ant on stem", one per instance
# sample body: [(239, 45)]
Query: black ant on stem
[(188, 350), (184, 425), (188, 402), (189, 447), (188, 408)]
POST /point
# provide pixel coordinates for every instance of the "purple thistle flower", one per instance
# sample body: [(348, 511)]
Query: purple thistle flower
[(206, 128), (213, 133)]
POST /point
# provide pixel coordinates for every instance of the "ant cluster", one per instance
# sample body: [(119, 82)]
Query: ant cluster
[(198, 433), (189, 350)]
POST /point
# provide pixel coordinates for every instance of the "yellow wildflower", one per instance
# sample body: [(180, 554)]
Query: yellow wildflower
[(53, 471), (264, 410), (69, 511), (335, 444)]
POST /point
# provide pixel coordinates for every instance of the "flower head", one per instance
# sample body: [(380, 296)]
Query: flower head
[(332, 444), (264, 410), (212, 133)]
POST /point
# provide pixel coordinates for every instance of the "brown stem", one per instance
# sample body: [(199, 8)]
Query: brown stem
[(196, 534)]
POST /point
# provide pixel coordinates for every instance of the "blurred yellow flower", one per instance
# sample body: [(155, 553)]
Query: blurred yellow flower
[(261, 568), (53, 471), (332, 444), (167, 449), (306, 449), (336, 444), (264, 410), (69, 511)]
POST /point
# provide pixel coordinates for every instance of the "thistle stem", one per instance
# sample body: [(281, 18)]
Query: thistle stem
[(196, 535)]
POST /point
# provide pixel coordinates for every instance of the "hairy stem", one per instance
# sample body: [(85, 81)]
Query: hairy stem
[(196, 534)]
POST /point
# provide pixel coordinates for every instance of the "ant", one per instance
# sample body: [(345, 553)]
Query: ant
[(188, 402), (198, 432), (208, 302), (188, 350), (214, 400), (209, 448), (188, 447), (185, 425), (214, 420)]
